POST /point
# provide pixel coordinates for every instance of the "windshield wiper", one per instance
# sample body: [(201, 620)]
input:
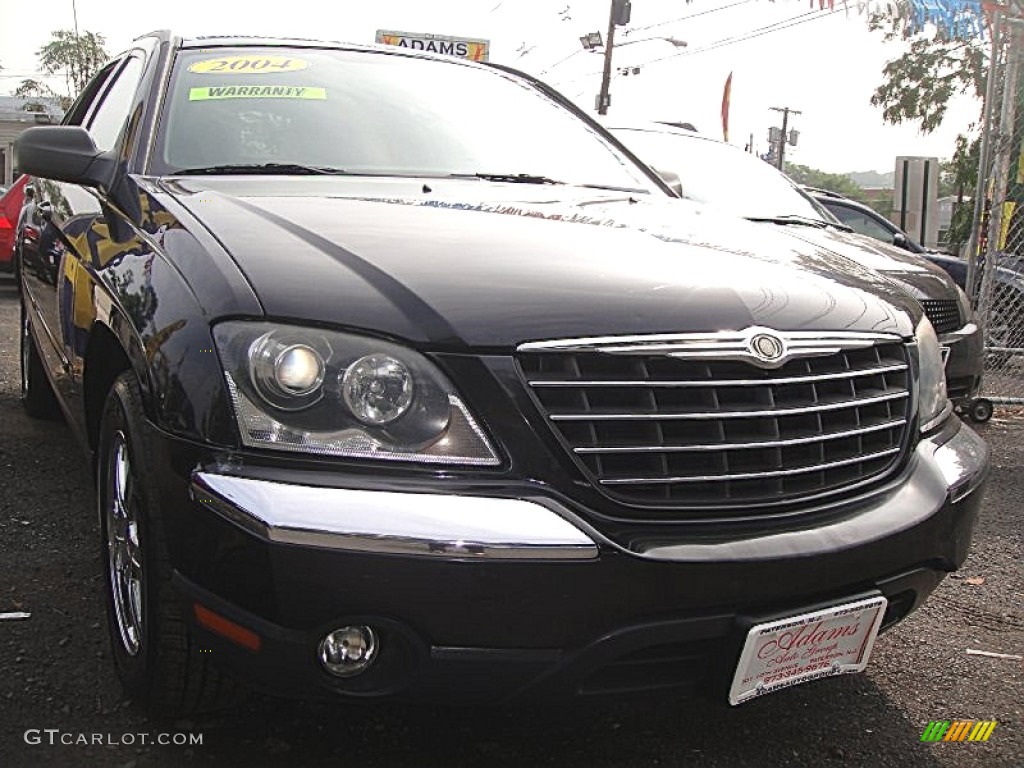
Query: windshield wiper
[(262, 168), (511, 178), (801, 221), (611, 188), (529, 178)]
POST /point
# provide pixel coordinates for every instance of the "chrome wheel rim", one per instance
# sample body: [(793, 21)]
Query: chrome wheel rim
[(124, 553)]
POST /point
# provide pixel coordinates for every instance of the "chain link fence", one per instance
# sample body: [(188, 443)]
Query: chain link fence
[(996, 253)]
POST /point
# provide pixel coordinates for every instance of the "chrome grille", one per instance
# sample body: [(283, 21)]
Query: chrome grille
[(944, 314), (686, 430)]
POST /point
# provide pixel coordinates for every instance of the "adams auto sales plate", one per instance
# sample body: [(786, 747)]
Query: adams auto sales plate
[(835, 641)]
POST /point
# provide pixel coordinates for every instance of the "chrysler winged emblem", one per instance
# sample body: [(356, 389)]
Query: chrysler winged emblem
[(767, 347)]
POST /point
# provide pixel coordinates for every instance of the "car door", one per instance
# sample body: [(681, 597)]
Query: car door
[(41, 250), (70, 223)]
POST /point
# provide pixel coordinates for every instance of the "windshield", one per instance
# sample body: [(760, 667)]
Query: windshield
[(372, 113), (722, 175)]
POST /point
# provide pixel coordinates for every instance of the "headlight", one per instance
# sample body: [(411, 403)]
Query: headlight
[(931, 381), (285, 371), (966, 311), (313, 391), (378, 389)]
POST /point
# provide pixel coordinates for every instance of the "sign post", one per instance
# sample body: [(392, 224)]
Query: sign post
[(915, 198)]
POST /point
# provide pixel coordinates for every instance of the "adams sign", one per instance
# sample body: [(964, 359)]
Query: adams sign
[(463, 47)]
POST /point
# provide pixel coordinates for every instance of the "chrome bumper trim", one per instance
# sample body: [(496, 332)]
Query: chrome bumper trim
[(963, 462), (968, 330), (395, 523)]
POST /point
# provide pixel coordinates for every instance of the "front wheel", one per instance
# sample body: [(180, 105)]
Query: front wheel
[(154, 653)]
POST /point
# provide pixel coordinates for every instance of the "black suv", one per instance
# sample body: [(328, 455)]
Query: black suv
[(399, 379)]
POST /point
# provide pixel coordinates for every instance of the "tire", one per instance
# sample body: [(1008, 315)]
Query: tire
[(153, 651), (980, 410), (37, 395)]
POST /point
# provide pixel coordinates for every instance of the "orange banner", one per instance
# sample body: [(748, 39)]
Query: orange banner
[(726, 97)]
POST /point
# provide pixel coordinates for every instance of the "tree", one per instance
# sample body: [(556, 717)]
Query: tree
[(961, 176), (833, 182), (918, 86), (77, 57)]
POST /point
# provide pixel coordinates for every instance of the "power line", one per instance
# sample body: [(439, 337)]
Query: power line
[(578, 51), (560, 61), (684, 18), (742, 37), (631, 30)]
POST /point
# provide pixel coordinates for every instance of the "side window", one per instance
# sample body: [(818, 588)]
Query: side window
[(88, 97), (110, 117), (861, 222)]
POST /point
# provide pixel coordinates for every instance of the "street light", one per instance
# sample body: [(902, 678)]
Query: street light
[(592, 41)]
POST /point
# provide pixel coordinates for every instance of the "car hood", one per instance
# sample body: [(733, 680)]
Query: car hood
[(913, 273), (476, 264)]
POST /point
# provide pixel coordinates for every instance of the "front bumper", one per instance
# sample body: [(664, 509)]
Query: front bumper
[(529, 599), (964, 362)]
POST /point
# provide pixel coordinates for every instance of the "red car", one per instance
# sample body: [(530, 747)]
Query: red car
[(10, 207)]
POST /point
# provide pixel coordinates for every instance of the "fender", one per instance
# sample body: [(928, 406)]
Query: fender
[(161, 321)]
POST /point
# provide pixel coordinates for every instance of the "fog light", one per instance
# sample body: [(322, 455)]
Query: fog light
[(348, 651)]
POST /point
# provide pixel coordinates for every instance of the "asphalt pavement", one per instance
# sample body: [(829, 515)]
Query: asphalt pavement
[(60, 703)]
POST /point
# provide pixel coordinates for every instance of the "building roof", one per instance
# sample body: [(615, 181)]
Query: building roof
[(12, 109)]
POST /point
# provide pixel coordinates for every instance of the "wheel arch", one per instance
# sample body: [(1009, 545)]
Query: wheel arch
[(107, 357), (179, 376)]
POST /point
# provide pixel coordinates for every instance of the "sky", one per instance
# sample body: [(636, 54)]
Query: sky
[(826, 65)]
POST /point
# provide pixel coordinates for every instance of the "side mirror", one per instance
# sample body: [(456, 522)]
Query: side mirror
[(900, 241), (672, 179), (64, 153)]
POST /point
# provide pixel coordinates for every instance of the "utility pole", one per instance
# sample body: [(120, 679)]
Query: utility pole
[(780, 154), (606, 76), (618, 15)]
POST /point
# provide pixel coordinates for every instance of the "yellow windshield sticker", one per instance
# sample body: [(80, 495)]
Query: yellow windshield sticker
[(248, 65), (212, 92)]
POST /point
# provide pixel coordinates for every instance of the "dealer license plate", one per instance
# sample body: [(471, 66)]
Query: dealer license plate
[(835, 641)]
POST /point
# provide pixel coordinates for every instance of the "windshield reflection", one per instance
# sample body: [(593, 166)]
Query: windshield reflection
[(722, 175), (300, 111)]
